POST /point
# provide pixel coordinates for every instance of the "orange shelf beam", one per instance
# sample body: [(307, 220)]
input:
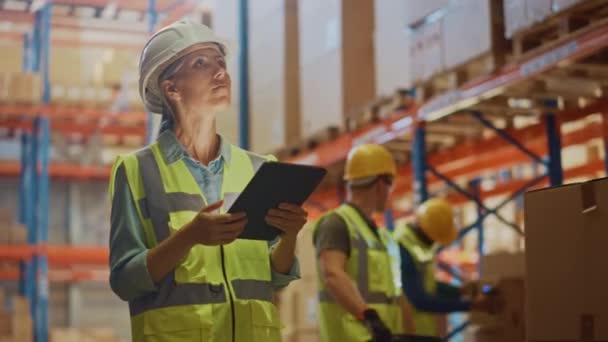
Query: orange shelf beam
[(57, 255), (60, 170), (68, 112), (452, 101)]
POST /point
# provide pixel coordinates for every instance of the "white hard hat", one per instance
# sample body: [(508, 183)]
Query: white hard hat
[(165, 47)]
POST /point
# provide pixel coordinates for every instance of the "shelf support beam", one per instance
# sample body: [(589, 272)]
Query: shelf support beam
[(419, 162), (554, 144)]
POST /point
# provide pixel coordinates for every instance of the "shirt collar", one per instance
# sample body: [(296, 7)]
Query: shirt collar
[(172, 150)]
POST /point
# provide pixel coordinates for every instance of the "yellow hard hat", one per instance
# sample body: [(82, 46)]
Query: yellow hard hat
[(436, 219), (369, 160)]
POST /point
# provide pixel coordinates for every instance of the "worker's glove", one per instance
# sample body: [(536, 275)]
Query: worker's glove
[(377, 328)]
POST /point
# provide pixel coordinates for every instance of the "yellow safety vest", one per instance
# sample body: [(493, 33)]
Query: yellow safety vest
[(216, 293), (424, 259), (369, 266)]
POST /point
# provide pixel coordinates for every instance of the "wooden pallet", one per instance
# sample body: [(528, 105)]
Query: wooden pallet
[(379, 110), (451, 79), (580, 17)]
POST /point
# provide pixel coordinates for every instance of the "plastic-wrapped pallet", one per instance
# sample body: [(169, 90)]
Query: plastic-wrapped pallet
[(516, 17), (426, 51), (471, 28)]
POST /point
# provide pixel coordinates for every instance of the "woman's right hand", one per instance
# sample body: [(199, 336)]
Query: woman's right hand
[(211, 229)]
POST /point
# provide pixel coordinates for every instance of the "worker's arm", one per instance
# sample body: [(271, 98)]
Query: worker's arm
[(413, 287), (332, 265), (129, 277), (281, 279), (445, 290), (289, 219)]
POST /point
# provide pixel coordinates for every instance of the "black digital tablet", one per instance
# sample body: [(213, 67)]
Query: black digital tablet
[(274, 183)]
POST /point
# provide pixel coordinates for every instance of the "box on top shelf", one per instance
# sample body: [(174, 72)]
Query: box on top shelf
[(426, 51), (416, 10), (560, 5), (516, 16), (391, 47), (566, 237), (275, 92), (336, 60), (472, 28)]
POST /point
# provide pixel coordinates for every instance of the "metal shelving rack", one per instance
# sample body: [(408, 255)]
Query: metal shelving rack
[(34, 170), (466, 101)]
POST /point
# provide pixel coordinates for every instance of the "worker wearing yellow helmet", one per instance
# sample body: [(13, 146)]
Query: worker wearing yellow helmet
[(433, 227), (359, 298)]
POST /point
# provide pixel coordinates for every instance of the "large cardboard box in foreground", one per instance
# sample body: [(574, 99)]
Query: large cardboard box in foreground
[(566, 237)]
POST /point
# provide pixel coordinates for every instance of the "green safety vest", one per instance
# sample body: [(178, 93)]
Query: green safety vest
[(370, 267), (424, 258), (216, 293)]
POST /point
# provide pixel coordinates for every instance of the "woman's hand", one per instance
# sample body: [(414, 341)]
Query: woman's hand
[(211, 229), (288, 218)]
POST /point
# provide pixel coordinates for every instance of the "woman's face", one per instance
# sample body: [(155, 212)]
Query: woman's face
[(202, 82)]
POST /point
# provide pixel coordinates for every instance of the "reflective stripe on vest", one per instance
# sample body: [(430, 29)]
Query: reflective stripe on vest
[(156, 206), (362, 246), (424, 259)]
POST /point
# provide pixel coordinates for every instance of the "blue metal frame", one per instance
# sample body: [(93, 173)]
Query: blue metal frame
[(554, 170), (244, 74), (152, 20), (476, 192), (421, 193), (34, 179), (554, 141)]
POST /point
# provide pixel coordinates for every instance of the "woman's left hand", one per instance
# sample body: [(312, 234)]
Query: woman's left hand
[(287, 217)]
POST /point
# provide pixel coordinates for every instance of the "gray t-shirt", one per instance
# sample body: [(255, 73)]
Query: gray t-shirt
[(332, 232)]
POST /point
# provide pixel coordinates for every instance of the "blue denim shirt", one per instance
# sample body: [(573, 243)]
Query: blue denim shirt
[(129, 277)]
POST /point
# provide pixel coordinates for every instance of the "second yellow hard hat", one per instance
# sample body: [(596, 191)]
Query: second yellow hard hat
[(436, 219)]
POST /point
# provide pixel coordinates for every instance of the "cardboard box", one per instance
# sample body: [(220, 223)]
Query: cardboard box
[(482, 23), (22, 327), (538, 10), (304, 335), (499, 266), (391, 47), (336, 60), (6, 324), (21, 306), (566, 239), (307, 255), (511, 321), (516, 17), (298, 306), (19, 234), (560, 5), (426, 51), (416, 10), (274, 80)]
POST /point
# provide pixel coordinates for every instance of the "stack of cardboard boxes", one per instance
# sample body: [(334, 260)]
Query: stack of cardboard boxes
[(504, 273), (565, 262), (521, 14), (83, 335), (16, 324), (298, 302), (20, 88), (437, 36), (274, 81), (336, 61), (11, 232)]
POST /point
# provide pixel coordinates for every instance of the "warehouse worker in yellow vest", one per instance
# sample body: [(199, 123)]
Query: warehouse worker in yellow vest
[(173, 257), (358, 295), (434, 227)]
